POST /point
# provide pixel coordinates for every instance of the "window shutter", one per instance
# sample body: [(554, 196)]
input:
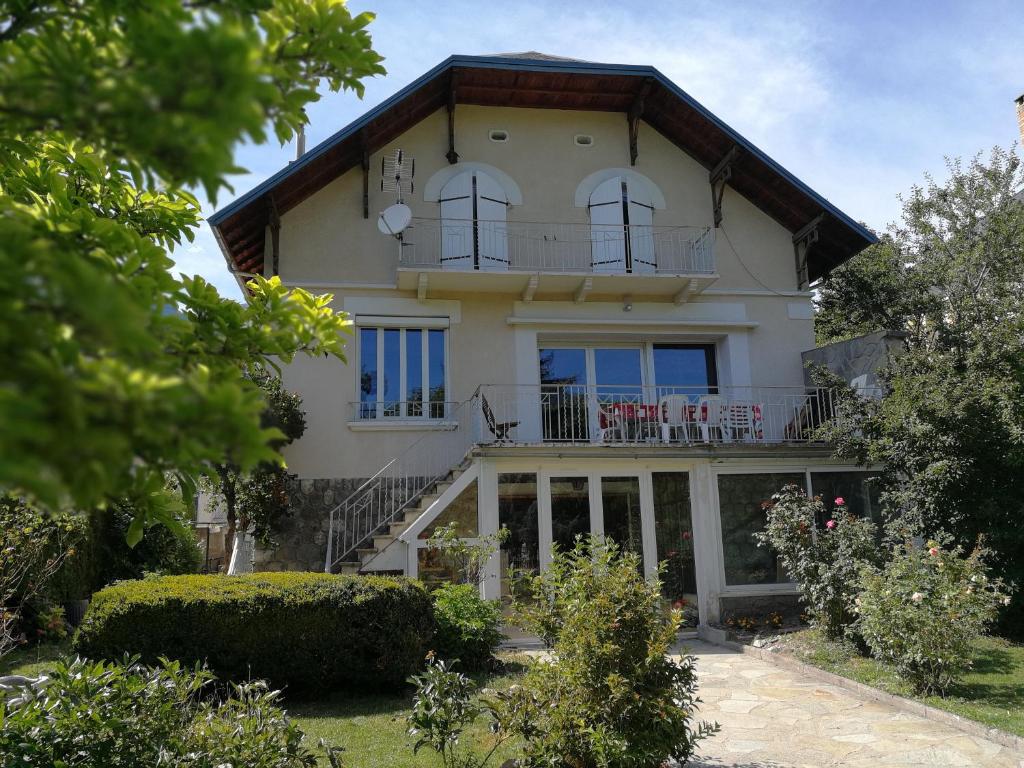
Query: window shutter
[(641, 235), (492, 232), (608, 248), (457, 222)]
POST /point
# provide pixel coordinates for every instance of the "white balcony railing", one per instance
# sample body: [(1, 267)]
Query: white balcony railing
[(524, 246), (579, 414)]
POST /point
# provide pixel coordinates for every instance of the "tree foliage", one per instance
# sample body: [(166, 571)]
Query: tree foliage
[(950, 430), (116, 371)]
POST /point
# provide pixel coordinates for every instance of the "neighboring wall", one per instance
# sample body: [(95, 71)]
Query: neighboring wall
[(856, 360)]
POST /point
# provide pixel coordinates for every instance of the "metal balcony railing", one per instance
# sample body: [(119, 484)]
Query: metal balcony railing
[(577, 414), (530, 246)]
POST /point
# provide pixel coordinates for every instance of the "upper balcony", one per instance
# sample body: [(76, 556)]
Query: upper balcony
[(551, 258)]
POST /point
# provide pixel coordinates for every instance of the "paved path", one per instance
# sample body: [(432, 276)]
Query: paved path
[(774, 718)]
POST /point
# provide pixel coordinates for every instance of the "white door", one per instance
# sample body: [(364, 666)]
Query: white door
[(491, 229), (457, 222), (607, 235), (640, 213)]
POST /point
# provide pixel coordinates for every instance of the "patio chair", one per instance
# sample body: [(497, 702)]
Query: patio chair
[(609, 424), (709, 417), (499, 429), (674, 410)]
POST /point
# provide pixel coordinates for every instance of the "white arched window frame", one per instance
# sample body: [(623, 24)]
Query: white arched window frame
[(474, 201), (621, 204)]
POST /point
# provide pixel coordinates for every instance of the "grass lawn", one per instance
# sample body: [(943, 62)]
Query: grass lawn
[(991, 693), (33, 660), (372, 728)]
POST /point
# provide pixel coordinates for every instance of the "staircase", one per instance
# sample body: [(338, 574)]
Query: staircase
[(366, 523), (374, 556)]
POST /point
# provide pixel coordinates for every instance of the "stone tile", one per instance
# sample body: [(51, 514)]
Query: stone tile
[(774, 718)]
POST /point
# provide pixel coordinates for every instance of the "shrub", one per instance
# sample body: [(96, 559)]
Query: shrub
[(824, 561), (103, 555), (307, 631), (610, 695), (467, 625), (924, 609), (130, 716)]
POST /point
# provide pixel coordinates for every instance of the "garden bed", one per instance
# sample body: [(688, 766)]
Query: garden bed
[(992, 693)]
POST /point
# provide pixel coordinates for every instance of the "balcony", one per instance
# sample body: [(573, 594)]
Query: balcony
[(581, 415), (571, 414), (556, 259)]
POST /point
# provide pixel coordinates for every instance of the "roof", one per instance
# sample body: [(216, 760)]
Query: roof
[(542, 81)]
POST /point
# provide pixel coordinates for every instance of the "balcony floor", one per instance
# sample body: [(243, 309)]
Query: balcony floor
[(657, 287)]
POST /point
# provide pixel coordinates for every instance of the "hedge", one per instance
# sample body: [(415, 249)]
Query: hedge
[(308, 632)]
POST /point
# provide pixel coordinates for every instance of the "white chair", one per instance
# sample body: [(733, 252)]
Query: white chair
[(674, 411), (709, 417), (738, 420)]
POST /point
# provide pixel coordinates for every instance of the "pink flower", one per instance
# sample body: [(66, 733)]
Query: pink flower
[(917, 597), (933, 551), (830, 524), (840, 501), (686, 535)]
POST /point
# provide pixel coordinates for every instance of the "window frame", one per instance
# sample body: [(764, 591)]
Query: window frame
[(370, 412)]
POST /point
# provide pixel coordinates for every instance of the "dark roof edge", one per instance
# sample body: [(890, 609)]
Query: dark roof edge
[(535, 65)]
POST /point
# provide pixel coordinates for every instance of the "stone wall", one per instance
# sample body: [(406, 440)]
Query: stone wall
[(302, 540), (759, 606)]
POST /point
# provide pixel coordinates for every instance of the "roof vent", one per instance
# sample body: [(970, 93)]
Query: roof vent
[(583, 140), (499, 136)]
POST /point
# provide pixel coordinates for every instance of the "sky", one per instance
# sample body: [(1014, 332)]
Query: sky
[(858, 99)]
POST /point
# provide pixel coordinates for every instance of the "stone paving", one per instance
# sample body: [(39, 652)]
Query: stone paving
[(774, 718)]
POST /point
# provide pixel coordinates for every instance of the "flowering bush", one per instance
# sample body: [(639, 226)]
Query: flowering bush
[(825, 562), (921, 612)]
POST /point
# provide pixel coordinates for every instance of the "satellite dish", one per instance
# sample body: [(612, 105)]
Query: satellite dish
[(394, 219)]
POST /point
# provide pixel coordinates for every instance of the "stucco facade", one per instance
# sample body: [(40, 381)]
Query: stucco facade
[(747, 312)]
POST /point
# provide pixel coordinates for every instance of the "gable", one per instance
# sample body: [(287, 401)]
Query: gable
[(547, 84)]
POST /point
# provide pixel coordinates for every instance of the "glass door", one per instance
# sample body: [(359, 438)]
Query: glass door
[(620, 502), (563, 394)]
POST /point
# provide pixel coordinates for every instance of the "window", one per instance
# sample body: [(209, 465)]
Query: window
[(855, 488), (473, 229), (741, 500), (433, 568), (686, 369), (583, 140), (499, 136), (517, 513), (402, 373), (620, 500), (570, 511), (673, 535), (621, 214)]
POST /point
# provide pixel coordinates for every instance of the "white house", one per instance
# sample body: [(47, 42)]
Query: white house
[(593, 323)]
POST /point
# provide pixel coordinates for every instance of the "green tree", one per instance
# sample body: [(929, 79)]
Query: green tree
[(116, 371), (257, 500), (950, 430)]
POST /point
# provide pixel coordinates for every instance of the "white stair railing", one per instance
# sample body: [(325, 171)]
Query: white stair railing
[(384, 498)]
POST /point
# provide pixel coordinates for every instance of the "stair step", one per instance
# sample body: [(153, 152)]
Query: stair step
[(380, 542), (350, 568), (397, 529)]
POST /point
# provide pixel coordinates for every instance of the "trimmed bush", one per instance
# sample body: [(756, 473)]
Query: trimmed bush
[(306, 631), (467, 625)]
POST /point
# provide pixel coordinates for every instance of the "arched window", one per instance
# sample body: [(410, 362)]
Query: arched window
[(621, 206), (473, 230)]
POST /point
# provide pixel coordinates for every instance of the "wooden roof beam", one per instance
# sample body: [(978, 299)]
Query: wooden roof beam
[(452, 155), (718, 177), (636, 111)]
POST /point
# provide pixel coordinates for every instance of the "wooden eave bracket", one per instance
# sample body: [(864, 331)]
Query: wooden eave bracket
[(452, 155), (803, 240), (274, 219), (718, 177), (636, 111), (365, 161)]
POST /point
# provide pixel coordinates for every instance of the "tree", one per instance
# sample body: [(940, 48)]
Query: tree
[(256, 501), (117, 372), (950, 430)]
